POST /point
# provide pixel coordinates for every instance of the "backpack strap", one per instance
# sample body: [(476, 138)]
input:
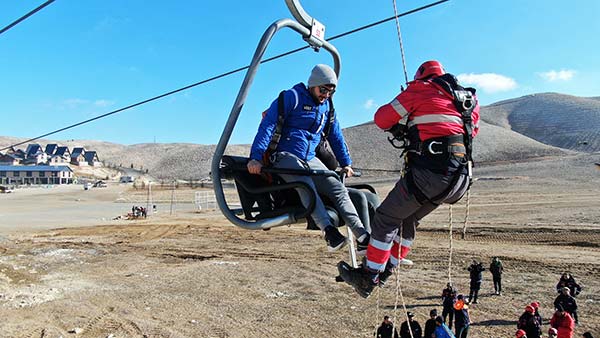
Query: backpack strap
[(281, 119), (279, 126), (330, 118)]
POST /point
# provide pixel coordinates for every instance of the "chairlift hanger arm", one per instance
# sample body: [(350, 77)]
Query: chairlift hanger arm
[(299, 13), (316, 35)]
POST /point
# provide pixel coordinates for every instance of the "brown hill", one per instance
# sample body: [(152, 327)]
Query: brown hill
[(564, 121), (512, 130), (370, 148)]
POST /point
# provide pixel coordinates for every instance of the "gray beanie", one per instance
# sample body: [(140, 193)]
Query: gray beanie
[(322, 75)]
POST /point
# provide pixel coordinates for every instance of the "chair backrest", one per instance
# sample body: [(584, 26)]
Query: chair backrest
[(255, 201), (260, 201)]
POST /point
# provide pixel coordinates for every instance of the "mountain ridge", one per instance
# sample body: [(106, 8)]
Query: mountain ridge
[(510, 130)]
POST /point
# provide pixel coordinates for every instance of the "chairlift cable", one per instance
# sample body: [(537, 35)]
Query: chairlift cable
[(218, 76), (16, 22)]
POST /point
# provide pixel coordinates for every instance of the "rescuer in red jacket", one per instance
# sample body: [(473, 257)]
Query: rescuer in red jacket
[(436, 118)]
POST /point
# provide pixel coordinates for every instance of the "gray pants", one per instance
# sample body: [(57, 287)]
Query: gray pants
[(327, 186), (401, 210), (365, 203)]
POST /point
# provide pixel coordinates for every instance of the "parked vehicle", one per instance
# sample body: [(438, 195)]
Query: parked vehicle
[(5, 189), (126, 179)]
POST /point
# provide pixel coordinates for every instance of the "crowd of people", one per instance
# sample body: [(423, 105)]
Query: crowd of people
[(455, 312), (564, 319), (138, 211)]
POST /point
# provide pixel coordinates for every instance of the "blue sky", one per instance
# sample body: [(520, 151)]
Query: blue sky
[(74, 60)]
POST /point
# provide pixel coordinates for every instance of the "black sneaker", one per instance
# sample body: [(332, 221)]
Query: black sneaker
[(383, 277), (335, 240), (358, 278), (361, 246)]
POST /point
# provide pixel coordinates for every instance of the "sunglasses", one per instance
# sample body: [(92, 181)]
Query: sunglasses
[(324, 90)]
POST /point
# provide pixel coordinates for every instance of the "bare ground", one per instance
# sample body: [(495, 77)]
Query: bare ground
[(194, 275)]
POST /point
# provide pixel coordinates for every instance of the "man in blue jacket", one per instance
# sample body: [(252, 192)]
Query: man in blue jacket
[(305, 115)]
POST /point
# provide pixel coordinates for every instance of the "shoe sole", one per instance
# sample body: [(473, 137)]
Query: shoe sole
[(406, 262), (344, 271)]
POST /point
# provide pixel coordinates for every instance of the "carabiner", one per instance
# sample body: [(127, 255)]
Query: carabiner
[(430, 148)]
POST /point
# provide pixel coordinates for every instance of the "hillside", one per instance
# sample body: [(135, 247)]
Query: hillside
[(523, 128), (370, 148), (163, 160), (564, 121)]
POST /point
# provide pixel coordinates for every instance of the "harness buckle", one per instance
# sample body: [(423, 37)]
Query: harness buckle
[(430, 148)]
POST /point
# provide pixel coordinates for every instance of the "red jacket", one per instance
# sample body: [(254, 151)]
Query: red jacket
[(427, 107), (564, 324)]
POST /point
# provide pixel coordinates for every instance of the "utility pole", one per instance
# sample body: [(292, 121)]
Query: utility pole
[(149, 208), (172, 197)]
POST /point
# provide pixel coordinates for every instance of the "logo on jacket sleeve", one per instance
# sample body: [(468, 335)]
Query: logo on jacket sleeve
[(307, 107)]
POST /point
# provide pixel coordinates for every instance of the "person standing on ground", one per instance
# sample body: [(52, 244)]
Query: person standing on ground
[(529, 324), (475, 273), (386, 328), (441, 330), (567, 302), (448, 299), (563, 323), (521, 334), (496, 269), (462, 320), (536, 313), (305, 110), (567, 280), (439, 119), (430, 324), (415, 327)]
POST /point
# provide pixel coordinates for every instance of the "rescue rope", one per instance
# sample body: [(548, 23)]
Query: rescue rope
[(377, 311), (400, 40), (464, 232), (450, 245), (399, 293)]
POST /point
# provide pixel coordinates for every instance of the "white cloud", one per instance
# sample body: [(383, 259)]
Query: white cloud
[(561, 75), (103, 103), (488, 82), (72, 103), (369, 104), (82, 105)]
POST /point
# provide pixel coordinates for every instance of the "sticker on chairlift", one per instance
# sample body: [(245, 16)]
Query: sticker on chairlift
[(318, 30)]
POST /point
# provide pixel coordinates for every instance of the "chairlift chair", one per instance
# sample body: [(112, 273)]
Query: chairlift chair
[(267, 205)]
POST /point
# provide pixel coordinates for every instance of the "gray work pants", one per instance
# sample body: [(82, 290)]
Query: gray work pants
[(401, 209), (330, 187)]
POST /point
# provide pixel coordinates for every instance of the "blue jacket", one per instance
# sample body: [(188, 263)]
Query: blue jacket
[(304, 121), (443, 331)]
